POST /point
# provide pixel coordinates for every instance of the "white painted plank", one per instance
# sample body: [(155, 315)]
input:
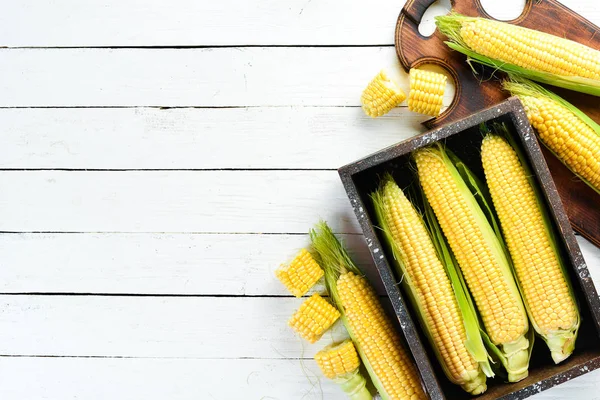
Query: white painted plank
[(155, 263), (190, 379), (201, 327), (173, 379), (211, 77), (228, 22), (173, 201), (177, 327), (168, 263), (188, 22), (197, 138)]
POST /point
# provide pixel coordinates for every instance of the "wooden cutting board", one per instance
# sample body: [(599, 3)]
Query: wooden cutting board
[(582, 204)]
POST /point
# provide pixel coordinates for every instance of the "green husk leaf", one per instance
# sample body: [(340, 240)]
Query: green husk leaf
[(478, 353), (354, 385), (477, 196), (561, 343), (521, 88), (450, 26), (334, 260)]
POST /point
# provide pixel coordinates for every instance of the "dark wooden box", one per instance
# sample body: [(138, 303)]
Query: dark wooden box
[(362, 177)]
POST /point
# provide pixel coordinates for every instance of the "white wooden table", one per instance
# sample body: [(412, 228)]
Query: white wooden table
[(159, 159)]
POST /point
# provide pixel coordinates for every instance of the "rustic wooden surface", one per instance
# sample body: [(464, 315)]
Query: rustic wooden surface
[(474, 92), (156, 167)]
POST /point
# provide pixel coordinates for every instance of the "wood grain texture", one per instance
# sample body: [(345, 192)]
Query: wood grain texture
[(197, 138), (173, 201)]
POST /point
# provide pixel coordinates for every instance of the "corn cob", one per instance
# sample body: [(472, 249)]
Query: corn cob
[(539, 56), (566, 131), (431, 289), (301, 274), (313, 318), (381, 95), (480, 256), (340, 362), (390, 367), (545, 288), (426, 92)]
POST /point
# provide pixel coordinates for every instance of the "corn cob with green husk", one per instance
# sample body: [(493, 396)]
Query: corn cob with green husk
[(450, 325), (536, 55), (546, 290), (340, 363), (570, 134), (475, 242), (391, 369)]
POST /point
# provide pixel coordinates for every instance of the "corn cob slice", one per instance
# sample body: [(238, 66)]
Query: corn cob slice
[(539, 56), (546, 290), (391, 369), (480, 256), (426, 92), (429, 285), (313, 318), (381, 95), (340, 362), (571, 135), (301, 274)]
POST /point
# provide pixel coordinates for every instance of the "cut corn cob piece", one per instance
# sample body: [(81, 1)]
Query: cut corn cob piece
[(545, 287), (426, 92), (381, 95), (337, 360), (480, 256), (301, 274), (429, 285), (572, 136), (313, 318), (391, 369), (539, 56), (340, 362)]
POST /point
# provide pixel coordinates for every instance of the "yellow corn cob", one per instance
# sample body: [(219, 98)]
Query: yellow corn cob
[(379, 345), (575, 143), (546, 291), (378, 338), (528, 48), (426, 92), (480, 257), (381, 95), (432, 289), (301, 274), (313, 318), (338, 359)]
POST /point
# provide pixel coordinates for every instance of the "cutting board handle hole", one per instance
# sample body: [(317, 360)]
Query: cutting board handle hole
[(502, 11), (427, 24)]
